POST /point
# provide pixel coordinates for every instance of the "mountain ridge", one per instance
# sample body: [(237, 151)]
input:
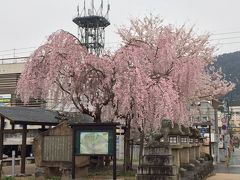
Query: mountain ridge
[(229, 63)]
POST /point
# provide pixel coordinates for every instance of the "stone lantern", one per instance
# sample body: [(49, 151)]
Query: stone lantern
[(195, 137), (198, 143), (194, 141), (174, 135), (174, 138), (191, 137), (185, 139), (157, 160)]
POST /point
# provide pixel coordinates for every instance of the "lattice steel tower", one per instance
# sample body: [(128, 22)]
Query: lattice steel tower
[(91, 27)]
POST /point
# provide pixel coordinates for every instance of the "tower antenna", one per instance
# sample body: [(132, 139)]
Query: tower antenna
[(78, 10), (84, 8), (91, 28)]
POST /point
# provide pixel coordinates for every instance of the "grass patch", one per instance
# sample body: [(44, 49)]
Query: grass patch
[(8, 178), (54, 178), (128, 174), (102, 171)]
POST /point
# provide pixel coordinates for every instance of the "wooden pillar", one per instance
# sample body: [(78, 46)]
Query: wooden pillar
[(13, 126), (114, 154), (1, 143), (73, 152), (24, 148), (210, 144)]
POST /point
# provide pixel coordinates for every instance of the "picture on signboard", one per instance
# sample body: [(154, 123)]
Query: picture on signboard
[(5, 99), (94, 143)]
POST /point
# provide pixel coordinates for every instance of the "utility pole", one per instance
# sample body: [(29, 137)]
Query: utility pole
[(215, 104)]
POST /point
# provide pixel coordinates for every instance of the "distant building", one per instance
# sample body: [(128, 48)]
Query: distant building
[(207, 114), (10, 71), (234, 110)]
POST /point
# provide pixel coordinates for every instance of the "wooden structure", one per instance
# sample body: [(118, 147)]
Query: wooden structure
[(53, 153), (58, 151), (24, 116)]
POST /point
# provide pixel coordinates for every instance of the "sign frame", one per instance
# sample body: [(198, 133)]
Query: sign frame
[(78, 142), (94, 127)]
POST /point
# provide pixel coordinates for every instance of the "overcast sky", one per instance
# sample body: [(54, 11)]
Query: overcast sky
[(25, 24)]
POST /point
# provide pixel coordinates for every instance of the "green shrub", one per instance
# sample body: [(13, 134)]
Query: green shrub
[(55, 178), (8, 178)]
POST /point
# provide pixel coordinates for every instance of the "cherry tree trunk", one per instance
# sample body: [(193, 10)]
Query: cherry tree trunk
[(98, 112), (127, 158), (141, 147)]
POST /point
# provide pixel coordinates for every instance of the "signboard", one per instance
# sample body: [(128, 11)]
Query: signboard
[(202, 131), (5, 99), (224, 127), (94, 139), (90, 142), (224, 120), (57, 148)]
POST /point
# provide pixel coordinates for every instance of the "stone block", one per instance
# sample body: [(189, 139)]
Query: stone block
[(81, 172), (158, 160), (184, 156), (157, 150), (155, 177), (66, 174), (182, 172), (40, 173), (52, 171), (158, 170)]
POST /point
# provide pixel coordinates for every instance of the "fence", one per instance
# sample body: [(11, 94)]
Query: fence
[(16, 60), (134, 150)]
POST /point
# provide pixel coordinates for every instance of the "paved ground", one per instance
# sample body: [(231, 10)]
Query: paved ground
[(224, 176), (232, 172), (30, 169)]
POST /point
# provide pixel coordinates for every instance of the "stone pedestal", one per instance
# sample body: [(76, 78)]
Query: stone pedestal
[(157, 164), (176, 150), (197, 151), (192, 156), (184, 154)]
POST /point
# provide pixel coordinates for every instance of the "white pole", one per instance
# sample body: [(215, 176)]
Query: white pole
[(13, 163)]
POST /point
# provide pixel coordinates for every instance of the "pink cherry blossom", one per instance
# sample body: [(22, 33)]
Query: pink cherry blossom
[(156, 74)]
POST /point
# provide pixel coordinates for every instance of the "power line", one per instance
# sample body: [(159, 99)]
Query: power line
[(25, 48), (235, 37), (16, 53), (224, 33), (117, 43), (237, 42), (14, 49)]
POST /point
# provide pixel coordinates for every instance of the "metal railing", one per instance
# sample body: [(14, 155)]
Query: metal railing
[(15, 60)]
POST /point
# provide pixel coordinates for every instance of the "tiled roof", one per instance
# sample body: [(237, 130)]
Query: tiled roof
[(29, 115)]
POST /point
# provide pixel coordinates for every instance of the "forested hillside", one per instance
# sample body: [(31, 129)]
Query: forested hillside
[(230, 65)]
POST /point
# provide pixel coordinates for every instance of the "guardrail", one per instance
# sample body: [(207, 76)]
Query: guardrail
[(16, 60)]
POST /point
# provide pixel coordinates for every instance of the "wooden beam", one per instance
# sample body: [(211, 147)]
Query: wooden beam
[(1, 143), (14, 131), (24, 148)]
